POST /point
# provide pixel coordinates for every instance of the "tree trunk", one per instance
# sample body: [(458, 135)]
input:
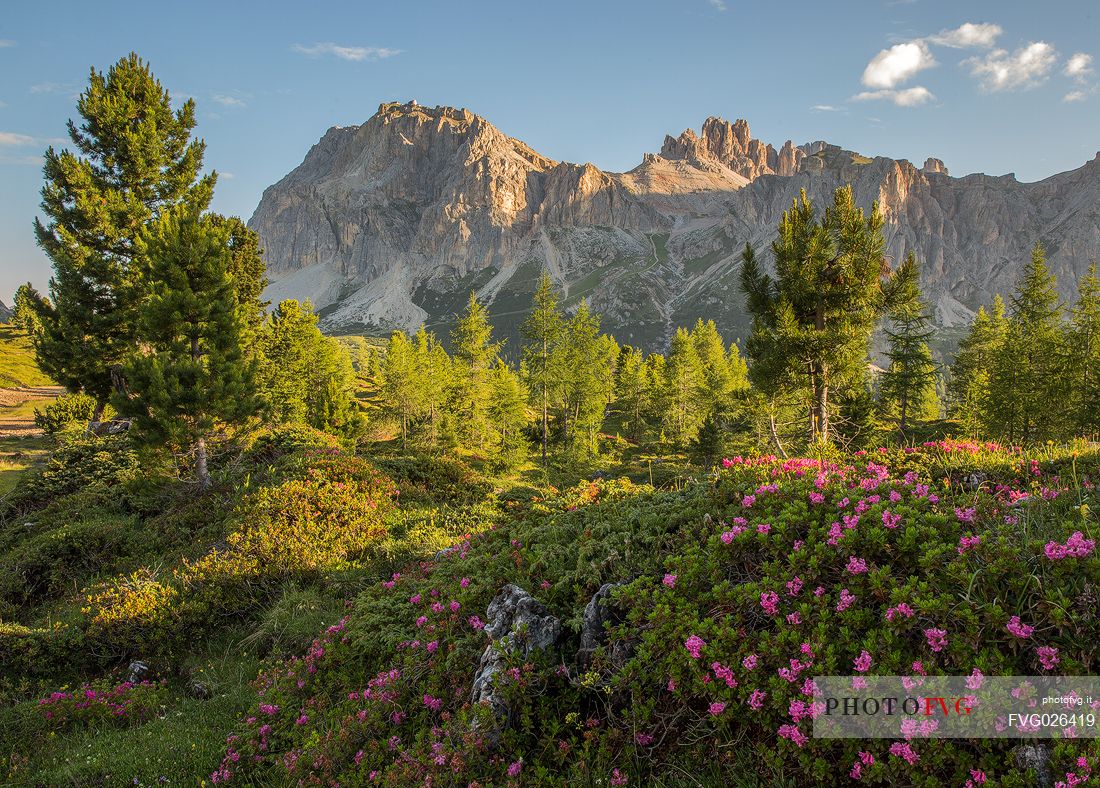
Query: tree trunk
[(100, 405), (775, 436), (201, 472), (544, 419)]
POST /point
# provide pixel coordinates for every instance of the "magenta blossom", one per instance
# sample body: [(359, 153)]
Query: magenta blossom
[(669, 580), (1018, 628), (937, 638), (694, 645)]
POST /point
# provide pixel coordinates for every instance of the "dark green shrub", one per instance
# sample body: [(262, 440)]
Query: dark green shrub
[(67, 412)]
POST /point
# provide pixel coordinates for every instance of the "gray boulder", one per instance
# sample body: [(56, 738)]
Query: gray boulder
[(516, 622), (1037, 757)]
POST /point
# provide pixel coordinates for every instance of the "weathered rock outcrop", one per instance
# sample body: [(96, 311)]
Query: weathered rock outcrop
[(599, 613), (522, 623), (393, 223)]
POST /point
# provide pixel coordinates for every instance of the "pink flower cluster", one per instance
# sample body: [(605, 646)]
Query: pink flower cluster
[(1018, 628), (937, 638), (694, 646), (769, 600), (1077, 546), (846, 600), (968, 543), (1048, 656), (901, 609), (865, 759)]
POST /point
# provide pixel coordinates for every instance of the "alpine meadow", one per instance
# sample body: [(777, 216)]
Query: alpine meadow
[(458, 464)]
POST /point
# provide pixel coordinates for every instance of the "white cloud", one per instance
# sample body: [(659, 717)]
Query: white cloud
[(1079, 66), (1027, 67), (910, 97), (895, 65), (53, 87), (9, 138), (228, 101), (1075, 95), (344, 52), (719, 5), (969, 35), (6, 42), (825, 108)]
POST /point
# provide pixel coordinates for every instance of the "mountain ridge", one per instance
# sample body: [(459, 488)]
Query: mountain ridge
[(391, 223)]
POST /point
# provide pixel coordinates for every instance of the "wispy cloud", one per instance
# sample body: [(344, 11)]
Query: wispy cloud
[(229, 101), (719, 5), (1075, 95), (969, 35), (890, 67), (909, 97), (825, 108), (1027, 67), (345, 52), (53, 87), (11, 139), (1079, 66), (6, 42)]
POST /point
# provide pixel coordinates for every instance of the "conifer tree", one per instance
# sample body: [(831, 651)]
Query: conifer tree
[(1083, 354), (305, 377), (507, 409), (134, 161), (908, 385), (812, 322), (403, 385), (1028, 374), (542, 331), (433, 370), (633, 389), (190, 381), (26, 307), (474, 355), (972, 370), (246, 268), (583, 366), (684, 380)]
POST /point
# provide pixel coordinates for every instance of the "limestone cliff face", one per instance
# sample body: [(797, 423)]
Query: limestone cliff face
[(392, 223)]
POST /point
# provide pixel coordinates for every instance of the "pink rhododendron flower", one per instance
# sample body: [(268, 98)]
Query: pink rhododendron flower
[(846, 600), (794, 734), (891, 520), (856, 566), (750, 662), (794, 585), (906, 751), (937, 638), (669, 580), (901, 609), (1077, 546), (968, 543), (862, 662), (717, 708), (1018, 628), (515, 768), (769, 600), (1048, 656), (694, 645), (756, 700), (464, 582)]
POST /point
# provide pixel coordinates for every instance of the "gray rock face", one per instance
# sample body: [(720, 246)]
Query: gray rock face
[(392, 223), (522, 623), (1037, 757), (598, 614)]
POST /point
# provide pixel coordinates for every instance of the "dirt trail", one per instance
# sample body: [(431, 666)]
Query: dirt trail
[(17, 409)]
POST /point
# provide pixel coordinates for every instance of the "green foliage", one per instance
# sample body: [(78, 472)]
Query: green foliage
[(542, 331), (812, 323), (67, 412), (134, 161), (305, 377), (18, 367), (474, 356), (1083, 356), (25, 310), (908, 386), (1027, 373), (696, 563), (191, 380)]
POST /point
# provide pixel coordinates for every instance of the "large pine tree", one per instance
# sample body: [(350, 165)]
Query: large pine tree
[(1028, 376), (908, 385), (972, 370), (134, 160), (812, 321), (191, 380)]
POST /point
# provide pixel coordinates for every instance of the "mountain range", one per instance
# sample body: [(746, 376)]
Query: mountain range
[(392, 223)]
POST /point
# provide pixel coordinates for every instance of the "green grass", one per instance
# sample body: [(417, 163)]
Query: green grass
[(17, 364), (16, 456), (184, 742)]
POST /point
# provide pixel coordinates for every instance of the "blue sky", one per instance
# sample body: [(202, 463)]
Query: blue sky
[(989, 87)]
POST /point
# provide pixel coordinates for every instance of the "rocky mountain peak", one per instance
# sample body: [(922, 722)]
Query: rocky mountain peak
[(393, 222)]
